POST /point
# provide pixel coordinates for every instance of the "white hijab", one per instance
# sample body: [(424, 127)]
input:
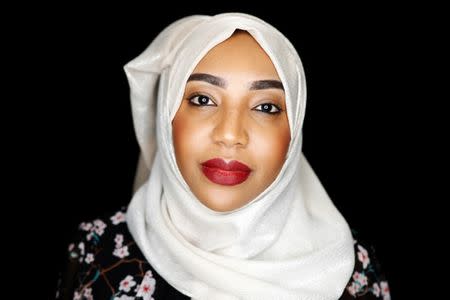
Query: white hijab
[(290, 242)]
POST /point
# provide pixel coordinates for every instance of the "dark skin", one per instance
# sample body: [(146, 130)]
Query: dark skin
[(233, 108)]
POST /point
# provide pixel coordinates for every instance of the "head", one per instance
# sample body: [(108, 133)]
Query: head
[(233, 108)]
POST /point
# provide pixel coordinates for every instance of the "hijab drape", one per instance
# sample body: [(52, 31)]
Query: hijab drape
[(290, 242)]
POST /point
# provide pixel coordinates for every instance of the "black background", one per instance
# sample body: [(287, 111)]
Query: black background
[(80, 152)]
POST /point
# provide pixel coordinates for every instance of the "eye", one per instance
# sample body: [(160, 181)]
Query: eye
[(268, 108), (201, 100)]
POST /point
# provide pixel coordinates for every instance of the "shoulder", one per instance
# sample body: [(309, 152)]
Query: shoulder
[(104, 262), (106, 232), (368, 280)]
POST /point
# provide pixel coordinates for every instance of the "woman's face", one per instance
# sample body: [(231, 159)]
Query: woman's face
[(233, 108)]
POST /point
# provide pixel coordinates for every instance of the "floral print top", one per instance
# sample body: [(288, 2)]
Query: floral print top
[(105, 263)]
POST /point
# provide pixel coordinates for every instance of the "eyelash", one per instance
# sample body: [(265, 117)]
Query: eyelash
[(266, 112)]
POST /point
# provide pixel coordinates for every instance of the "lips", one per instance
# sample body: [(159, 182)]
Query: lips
[(220, 172)]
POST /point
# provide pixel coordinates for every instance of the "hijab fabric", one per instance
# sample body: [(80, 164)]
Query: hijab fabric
[(290, 242)]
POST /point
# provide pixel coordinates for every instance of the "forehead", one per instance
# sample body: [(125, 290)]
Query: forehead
[(241, 52)]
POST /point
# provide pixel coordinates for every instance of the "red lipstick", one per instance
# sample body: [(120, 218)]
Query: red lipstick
[(220, 172)]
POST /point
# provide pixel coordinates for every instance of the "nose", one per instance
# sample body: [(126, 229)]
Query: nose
[(230, 130)]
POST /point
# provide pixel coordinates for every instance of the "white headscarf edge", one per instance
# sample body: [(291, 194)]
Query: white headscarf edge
[(143, 82)]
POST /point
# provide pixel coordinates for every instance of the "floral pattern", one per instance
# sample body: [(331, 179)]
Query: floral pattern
[(108, 263), (105, 263), (367, 281)]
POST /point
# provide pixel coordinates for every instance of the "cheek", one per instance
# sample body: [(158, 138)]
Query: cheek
[(187, 137), (270, 147)]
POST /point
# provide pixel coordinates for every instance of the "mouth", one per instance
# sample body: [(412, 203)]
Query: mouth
[(223, 173)]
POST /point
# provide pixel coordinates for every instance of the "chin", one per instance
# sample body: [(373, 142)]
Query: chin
[(220, 207), (229, 202)]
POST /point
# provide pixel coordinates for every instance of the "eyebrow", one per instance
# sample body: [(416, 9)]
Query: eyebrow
[(266, 84), (220, 82), (211, 79)]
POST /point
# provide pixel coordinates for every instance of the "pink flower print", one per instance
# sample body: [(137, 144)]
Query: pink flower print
[(71, 246), (148, 274), (89, 236), (146, 290), (385, 290), (127, 284), (121, 252), (81, 247), (363, 256), (76, 296), (118, 218), (353, 289), (88, 294), (99, 226), (119, 240), (85, 226), (376, 290), (89, 258), (360, 278), (147, 286)]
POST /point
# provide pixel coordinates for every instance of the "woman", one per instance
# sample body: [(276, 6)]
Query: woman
[(226, 205)]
